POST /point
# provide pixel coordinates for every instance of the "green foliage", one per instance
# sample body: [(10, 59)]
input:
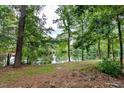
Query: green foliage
[(37, 44), (83, 26), (8, 26), (110, 67)]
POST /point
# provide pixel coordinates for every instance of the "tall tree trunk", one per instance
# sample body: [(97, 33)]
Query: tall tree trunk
[(8, 59), (68, 41), (82, 48), (120, 41), (28, 61), (19, 46), (113, 54), (82, 54), (108, 53), (99, 51), (68, 28), (69, 46)]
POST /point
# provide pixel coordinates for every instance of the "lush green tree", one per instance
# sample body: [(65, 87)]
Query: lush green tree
[(65, 22), (21, 27), (37, 42), (8, 29)]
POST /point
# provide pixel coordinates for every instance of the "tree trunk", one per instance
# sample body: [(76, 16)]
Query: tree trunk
[(82, 48), (108, 53), (68, 28), (120, 41), (8, 59), (99, 51), (113, 54), (28, 61), (82, 54), (19, 46), (69, 46)]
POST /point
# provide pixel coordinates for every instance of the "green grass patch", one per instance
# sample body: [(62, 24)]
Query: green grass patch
[(71, 66), (27, 72), (83, 65), (88, 68)]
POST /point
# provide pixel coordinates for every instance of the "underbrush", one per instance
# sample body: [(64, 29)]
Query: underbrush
[(110, 67)]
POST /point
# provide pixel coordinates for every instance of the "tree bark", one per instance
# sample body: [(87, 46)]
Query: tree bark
[(82, 48), (108, 53), (19, 46), (82, 54), (99, 51), (8, 59), (113, 54), (28, 61), (68, 27), (69, 46), (120, 41)]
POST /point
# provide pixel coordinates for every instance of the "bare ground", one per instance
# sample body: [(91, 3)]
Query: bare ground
[(63, 77)]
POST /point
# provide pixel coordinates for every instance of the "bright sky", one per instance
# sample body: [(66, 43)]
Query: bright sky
[(49, 11)]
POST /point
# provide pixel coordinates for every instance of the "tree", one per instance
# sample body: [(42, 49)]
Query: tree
[(8, 27), (69, 31), (66, 20), (21, 28), (120, 41), (37, 42), (8, 59), (81, 16)]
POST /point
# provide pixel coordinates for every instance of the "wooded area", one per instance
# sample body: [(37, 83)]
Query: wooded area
[(87, 33)]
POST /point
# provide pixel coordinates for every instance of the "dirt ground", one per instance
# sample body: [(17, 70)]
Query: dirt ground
[(65, 78)]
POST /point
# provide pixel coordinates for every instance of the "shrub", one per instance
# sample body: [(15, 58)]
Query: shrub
[(110, 67)]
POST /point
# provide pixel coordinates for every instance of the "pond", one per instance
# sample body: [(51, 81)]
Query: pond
[(3, 61)]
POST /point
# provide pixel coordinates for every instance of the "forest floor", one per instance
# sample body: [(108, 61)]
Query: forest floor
[(67, 75)]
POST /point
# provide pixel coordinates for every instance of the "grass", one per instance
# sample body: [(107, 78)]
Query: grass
[(27, 72), (30, 71), (84, 65), (70, 65)]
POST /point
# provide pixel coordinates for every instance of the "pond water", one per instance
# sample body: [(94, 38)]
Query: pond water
[(37, 62), (12, 59)]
